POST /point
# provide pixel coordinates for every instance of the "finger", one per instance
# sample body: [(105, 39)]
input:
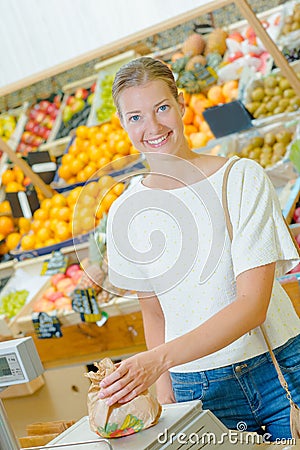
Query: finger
[(129, 392), (113, 377)]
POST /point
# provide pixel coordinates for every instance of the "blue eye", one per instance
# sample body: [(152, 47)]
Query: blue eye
[(134, 118), (163, 108)]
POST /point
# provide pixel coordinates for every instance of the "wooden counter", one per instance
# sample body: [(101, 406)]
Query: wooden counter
[(85, 343)]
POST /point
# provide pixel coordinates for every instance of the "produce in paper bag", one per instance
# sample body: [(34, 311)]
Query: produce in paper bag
[(119, 419)]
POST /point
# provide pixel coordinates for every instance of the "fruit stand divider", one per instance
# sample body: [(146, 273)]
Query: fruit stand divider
[(37, 181)]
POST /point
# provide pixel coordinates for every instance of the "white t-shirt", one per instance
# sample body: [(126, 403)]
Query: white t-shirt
[(175, 243)]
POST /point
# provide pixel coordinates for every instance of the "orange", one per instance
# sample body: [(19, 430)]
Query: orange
[(92, 189), (66, 159), (188, 129), (72, 180), (87, 223), (73, 196), (64, 214), (83, 157), (118, 189), (99, 137), (19, 175), (107, 200), (106, 181), (53, 224), (3, 248), (81, 176), (14, 186), (43, 234), (28, 242), (198, 119), (58, 200), (92, 132), (12, 240), (100, 211), (215, 94), (64, 172), (229, 87), (199, 139), (115, 120), (82, 131), (89, 171), (54, 211), (118, 161), (107, 128), (122, 147), (50, 241), (62, 231), (36, 225), (46, 204), (5, 207), (24, 224), (41, 214), (188, 116), (94, 152), (103, 161), (6, 225), (74, 149), (8, 176), (75, 166), (133, 150)]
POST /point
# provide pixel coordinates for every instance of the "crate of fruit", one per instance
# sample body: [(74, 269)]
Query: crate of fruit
[(102, 105), (75, 107), (271, 95), (269, 145), (290, 32), (37, 128)]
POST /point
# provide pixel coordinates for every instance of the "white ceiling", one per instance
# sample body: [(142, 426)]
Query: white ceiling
[(38, 34)]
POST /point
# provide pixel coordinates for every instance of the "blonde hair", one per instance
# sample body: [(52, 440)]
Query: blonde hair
[(140, 71)]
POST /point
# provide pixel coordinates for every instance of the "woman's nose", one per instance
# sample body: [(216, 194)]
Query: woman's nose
[(154, 124)]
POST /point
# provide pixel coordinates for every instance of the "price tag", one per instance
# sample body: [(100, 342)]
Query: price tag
[(46, 325), (56, 264), (84, 302)]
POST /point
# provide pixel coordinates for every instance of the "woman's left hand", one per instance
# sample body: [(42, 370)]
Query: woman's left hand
[(132, 376)]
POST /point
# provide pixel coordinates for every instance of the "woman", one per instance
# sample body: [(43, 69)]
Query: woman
[(202, 296)]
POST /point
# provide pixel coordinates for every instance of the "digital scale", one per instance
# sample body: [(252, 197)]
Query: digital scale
[(181, 426)]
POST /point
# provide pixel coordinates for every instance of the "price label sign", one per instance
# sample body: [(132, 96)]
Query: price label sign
[(84, 302), (56, 264), (46, 325)]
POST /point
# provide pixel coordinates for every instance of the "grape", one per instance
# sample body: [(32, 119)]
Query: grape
[(13, 302), (107, 107)]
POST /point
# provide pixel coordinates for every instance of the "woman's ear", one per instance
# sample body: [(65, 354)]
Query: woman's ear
[(181, 103)]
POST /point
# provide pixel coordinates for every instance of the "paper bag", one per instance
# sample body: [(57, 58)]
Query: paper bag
[(119, 419)]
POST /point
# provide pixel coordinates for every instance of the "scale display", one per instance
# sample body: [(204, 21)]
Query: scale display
[(19, 362), (10, 369)]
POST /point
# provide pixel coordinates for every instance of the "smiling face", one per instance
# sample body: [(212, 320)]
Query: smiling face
[(152, 118)]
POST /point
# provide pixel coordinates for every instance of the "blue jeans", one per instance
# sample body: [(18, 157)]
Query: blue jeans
[(247, 395)]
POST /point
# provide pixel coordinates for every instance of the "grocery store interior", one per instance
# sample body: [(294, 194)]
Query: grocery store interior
[(65, 158)]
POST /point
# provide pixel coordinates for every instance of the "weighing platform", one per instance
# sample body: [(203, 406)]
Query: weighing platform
[(181, 426)]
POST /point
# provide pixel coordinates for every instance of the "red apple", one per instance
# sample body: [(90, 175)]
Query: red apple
[(43, 305), (72, 269), (93, 87), (29, 125), (71, 100), (56, 278), (296, 214), (66, 285), (76, 277), (55, 296), (40, 117), (56, 101), (81, 93), (63, 303), (48, 292), (44, 105)]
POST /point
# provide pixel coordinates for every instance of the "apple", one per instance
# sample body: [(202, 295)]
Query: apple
[(81, 93), (76, 277), (48, 292), (296, 214), (29, 125), (297, 238), (44, 105), (78, 105), (63, 303), (50, 108), (55, 296), (71, 100), (72, 269), (90, 98), (57, 277), (93, 87), (66, 285), (67, 113), (40, 117), (33, 113), (43, 305)]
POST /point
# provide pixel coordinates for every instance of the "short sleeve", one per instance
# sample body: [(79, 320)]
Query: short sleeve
[(122, 272), (260, 233)]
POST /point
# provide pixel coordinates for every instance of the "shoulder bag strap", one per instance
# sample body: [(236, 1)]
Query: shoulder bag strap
[(230, 233)]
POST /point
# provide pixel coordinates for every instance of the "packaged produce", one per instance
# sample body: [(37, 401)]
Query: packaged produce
[(120, 419)]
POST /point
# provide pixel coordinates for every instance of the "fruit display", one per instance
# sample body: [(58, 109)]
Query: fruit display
[(58, 295), (196, 128), (8, 123), (292, 21), (14, 180), (76, 110), (12, 302), (77, 212), (41, 118), (272, 95), (92, 149), (268, 149), (106, 105)]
